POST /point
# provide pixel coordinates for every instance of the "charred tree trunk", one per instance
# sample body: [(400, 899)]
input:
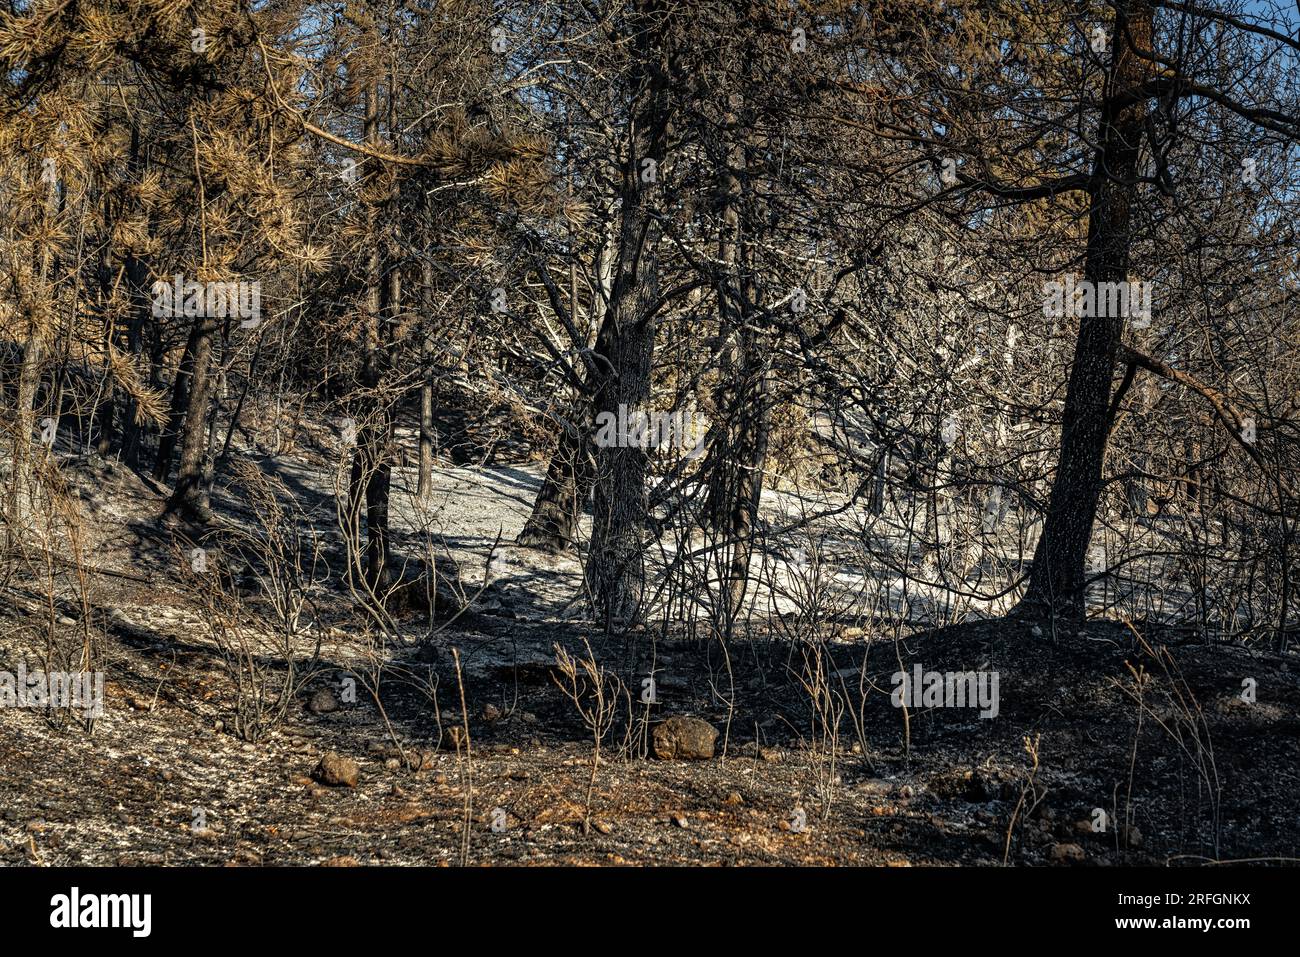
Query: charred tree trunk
[(371, 465), (553, 524), (137, 277), (380, 478), (29, 380), (1057, 578), (189, 497), (615, 563), (105, 425), (132, 431), (736, 464), (425, 487), (29, 377), (615, 568), (736, 482), (180, 401)]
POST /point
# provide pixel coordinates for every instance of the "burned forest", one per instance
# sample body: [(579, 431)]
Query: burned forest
[(659, 433)]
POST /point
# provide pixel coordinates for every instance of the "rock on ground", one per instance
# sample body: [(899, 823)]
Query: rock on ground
[(686, 739), (337, 771), (323, 702)]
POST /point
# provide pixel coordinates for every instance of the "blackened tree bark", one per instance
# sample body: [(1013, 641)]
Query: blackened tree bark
[(29, 380), (552, 525), (133, 430), (180, 401), (189, 496), (380, 437), (137, 276), (615, 563), (735, 464), (371, 477), (34, 346), (615, 568), (736, 474), (1057, 578), (425, 480)]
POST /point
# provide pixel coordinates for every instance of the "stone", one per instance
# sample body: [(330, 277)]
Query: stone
[(1067, 853), (685, 739), (421, 760), (337, 771), (323, 701)]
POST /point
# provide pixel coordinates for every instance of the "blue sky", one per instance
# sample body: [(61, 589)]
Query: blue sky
[(1281, 15)]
